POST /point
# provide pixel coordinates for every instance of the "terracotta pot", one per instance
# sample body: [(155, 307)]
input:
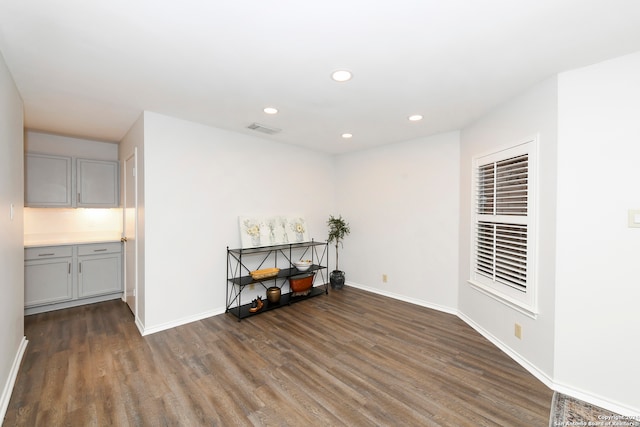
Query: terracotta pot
[(301, 284)]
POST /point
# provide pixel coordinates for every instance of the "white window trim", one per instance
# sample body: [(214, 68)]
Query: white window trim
[(524, 302)]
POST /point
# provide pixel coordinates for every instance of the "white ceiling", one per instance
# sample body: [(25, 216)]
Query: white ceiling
[(88, 68)]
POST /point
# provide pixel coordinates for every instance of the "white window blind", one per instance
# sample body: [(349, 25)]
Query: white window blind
[(503, 221), (503, 187), (501, 253)]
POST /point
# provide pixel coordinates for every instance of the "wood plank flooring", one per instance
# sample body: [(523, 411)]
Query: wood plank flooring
[(351, 358)]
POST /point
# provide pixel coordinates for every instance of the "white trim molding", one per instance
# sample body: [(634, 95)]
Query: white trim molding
[(11, 381), (399, 297), (164, 326), (531, 368), (504, 216)]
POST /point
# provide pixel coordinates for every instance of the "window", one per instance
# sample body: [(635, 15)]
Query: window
[(503, 233)]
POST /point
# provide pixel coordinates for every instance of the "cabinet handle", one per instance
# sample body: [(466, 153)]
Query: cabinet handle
[(80, 267), (46, 254), (69, 268), (100, 250), (78, 197)]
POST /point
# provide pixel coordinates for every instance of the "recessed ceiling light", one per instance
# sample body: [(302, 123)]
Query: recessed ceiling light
[(270, 110), (347, 135), (415, 118), (341, 75)]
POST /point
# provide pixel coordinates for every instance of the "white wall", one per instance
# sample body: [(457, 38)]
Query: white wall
[(401, 202), (198, 179), (12, 342), (533, 112), (42, 142), (598, 273)]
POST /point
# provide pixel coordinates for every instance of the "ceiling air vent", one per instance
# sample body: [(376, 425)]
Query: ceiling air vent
[(262, 128)]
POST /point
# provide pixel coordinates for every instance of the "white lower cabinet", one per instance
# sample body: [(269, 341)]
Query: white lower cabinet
[(65, 276), (48, 275), (99, 269)]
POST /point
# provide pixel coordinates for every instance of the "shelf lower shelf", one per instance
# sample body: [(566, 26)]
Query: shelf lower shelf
[(242, 311), (282, 274)]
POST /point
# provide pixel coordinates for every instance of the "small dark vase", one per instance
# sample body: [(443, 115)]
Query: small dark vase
[(336, 278), (273, 295)]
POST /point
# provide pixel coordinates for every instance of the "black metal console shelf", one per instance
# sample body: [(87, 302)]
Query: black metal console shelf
[(240, 263)]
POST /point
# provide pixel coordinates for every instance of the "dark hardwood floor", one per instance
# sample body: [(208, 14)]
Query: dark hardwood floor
[(350, 358)]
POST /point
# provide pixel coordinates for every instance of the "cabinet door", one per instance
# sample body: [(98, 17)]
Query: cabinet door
[(47, 180), (98, 183), (47, 281), (99, 274)]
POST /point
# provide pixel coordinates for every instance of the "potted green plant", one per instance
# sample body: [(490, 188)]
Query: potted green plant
[(338, 228)]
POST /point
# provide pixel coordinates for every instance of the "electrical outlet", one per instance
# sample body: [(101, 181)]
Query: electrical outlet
[(634, 218), (384, 278), (517, 330)]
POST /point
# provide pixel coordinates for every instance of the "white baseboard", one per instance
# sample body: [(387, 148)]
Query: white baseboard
[(69, 304), (531, 368), (399, 297), (139, 325), (11, 381), (164, 326), (600, 401)]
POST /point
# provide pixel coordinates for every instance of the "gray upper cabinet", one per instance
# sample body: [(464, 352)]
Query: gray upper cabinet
[(59, 181), (48, 181), (98, 184)]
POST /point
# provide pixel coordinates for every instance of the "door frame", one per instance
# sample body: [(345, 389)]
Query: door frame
[(132, 157)]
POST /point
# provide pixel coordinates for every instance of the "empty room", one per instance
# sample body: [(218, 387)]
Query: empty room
[(326, 213)]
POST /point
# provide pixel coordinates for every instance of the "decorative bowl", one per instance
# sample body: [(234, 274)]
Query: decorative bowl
[(303, 264)]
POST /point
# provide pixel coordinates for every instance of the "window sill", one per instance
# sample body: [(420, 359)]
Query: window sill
[(512, 303)]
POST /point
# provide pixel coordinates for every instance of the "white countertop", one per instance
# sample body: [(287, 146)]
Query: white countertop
[(57, 239)]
